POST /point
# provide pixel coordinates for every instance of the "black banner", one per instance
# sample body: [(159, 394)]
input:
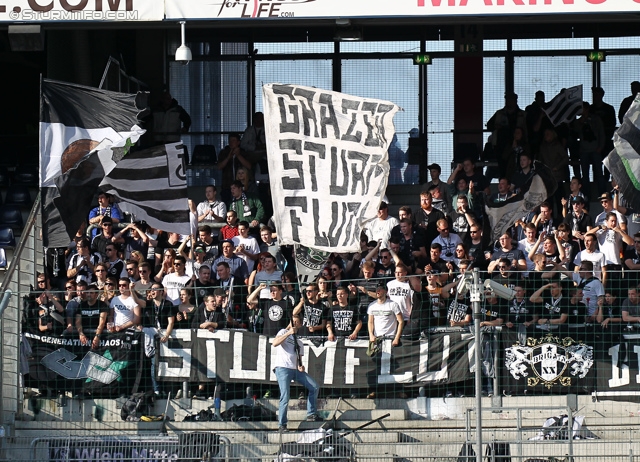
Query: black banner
[(549, 361), (64, 364), (239, 356), (577, 359)]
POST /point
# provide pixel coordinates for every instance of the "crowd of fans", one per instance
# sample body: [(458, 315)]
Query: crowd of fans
[(565, 264)]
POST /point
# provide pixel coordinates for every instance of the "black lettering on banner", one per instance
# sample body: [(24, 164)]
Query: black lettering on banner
[(331, 119), (296, 222), (345, 221), (308, 112), (287, 164), (322, 238), (321, 149), (334, 188), (349, 105), (285, 126), (358, 176), (284, 90), (370, 140), (352, 209), (385, 109)]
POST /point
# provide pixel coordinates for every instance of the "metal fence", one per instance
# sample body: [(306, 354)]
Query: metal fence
[(391, 446), (17, 280)]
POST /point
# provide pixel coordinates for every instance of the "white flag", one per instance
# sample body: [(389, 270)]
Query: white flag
[(328, 163)]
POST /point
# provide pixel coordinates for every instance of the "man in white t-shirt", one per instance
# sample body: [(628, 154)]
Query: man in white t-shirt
[(593, 255), (385, 317), (247, 247), (607, 207), (401, 290), (288, 367), (125, 312), (175, 281), (379, 229), (610, 237)]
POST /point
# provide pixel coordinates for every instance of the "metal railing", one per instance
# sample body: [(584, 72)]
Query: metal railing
[(17, 280)]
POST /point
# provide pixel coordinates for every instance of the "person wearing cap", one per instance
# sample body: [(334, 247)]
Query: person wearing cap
[(236, 264), (100, 241), (379, 229), (626, 103), (104, 209), (610, 238), (196, 258), (575, 188), (91, 316), (385, 317), (606, 200), (578, 220), (435, 171)]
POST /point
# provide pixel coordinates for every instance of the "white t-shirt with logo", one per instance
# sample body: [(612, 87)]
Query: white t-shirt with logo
[(384, 315), (122, 309), (402, 294)]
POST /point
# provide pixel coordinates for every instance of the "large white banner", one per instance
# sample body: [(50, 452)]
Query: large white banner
[(292, 9), (81, 10), (328, 163)]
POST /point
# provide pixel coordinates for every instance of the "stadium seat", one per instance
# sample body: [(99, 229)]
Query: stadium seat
[(7, 238), (18, 194), (5, 179), (204, 154), (10, 215), (26, 175)]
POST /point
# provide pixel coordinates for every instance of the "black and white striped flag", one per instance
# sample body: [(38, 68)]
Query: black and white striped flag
[(565, 106), (624, 161), (152, 185), (75, 120)]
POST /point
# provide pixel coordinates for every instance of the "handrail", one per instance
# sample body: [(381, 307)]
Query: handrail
[(22, 242)]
